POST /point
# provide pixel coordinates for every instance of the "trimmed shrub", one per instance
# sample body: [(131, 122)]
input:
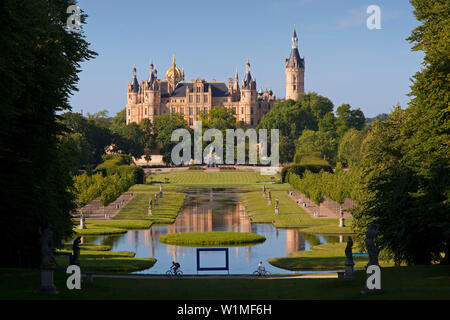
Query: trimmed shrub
[(299, 169)]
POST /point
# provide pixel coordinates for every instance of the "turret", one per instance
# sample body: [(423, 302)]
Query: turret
[(295, 71)]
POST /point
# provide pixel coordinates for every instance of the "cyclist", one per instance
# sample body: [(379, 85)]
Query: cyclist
[(261, 269), (175, 266)]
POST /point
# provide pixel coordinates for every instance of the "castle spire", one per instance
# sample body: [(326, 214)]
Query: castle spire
[(236, 81), (134, 82), (294, 39)]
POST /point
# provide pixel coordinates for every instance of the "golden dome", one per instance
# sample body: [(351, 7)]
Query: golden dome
[(173, 71)]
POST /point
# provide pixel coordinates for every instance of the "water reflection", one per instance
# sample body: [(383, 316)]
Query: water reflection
[(213, 209)]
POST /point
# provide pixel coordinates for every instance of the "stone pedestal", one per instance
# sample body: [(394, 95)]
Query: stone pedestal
[(269, 202), (276, 210), (150, 211), (264, 195), (349, 271), (47, 284), (341, 222)]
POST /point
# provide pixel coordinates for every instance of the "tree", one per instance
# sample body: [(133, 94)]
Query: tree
[(317, 141), (349, 147), (119, 120), (163, 127), (40, 62), (347, 119), (404, 171), (130, 139)]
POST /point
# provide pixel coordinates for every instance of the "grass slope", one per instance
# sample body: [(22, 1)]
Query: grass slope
[(290, 214)]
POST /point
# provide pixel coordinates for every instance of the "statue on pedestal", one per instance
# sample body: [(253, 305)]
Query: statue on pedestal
[(349, 260), (150, 207), (156, 199), (269, 198), (82, 221), (160, 191), (47, 261), (76, 251)]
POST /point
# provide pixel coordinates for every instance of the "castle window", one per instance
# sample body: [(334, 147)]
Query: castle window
[(191, 99), (198, 89), (182, 110), (251, 112), (145, 111), (295, 87), (190, 111), (242, 110), (191, 122), (205, 110), (198, 99), (173, 109), (294, 79), (155, 111), (205, 98), (128, 111), (251, 121), (198, 111)]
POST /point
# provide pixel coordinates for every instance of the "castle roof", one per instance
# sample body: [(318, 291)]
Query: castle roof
[(295, 60), (218, 89)]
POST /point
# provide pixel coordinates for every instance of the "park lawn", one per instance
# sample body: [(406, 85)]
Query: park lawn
[(93, 230), (208, 178), (212, 238), (290, 213), (329, 256), (88, 246), (412, 282), (107, 261), (165, 212)]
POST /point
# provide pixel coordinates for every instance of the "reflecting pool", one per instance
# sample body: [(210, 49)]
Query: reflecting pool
[(213, 209)]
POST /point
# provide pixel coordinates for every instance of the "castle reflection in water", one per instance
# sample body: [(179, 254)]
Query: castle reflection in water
[(199, 214)]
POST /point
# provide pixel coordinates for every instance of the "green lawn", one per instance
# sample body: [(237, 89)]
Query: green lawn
[(165, 212), (212, 238), (414, 282), (209, 178), (105, 260), (329, 256), (290, 213)]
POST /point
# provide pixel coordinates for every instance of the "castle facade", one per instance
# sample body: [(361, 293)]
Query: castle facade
[(154, 97)]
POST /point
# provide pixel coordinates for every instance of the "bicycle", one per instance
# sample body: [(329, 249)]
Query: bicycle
[(173, 273), (261, 273)]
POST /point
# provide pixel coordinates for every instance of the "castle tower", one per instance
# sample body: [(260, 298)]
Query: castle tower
[(248, 96), (295, 71), (152, 95)]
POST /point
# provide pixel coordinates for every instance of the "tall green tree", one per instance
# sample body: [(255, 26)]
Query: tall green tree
[(163, 127), (40, 62)]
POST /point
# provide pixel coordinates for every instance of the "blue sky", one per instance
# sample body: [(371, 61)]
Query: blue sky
[(345, 61)]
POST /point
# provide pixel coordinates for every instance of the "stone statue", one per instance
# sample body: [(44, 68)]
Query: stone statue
[(46, 242), (156, 199), (76, 251), (269, 198), (341, 219), (371, 237), (160, 191), (349, 260), (82, 221), (150, 207), (47, 261)]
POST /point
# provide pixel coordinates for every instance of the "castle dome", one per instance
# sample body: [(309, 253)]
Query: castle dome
[(174, 71)]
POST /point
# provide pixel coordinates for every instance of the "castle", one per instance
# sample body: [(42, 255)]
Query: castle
[(154, 97)]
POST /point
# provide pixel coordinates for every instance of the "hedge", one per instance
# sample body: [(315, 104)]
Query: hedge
[(299, 169)]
